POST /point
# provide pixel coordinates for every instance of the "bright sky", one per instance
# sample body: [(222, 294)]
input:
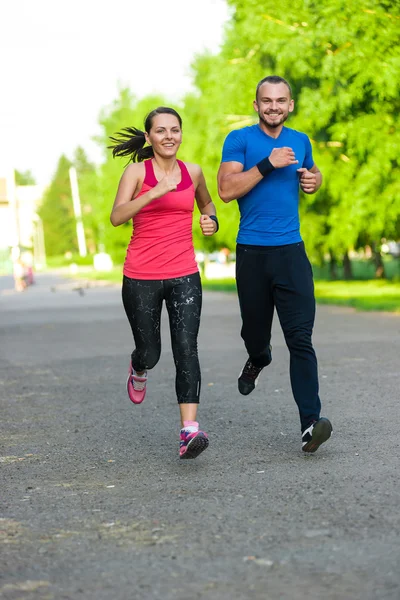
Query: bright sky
[(61, 63)]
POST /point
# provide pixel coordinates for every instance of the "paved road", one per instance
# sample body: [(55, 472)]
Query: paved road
[(96, 504)]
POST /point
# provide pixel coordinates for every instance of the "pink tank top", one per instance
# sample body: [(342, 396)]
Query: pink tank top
[(161, 245)]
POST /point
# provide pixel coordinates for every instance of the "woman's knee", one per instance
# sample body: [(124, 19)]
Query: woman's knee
[(152, 361), (145, 360), (184, 346)]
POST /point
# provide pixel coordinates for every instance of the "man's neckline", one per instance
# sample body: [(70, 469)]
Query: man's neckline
[(270, 136)]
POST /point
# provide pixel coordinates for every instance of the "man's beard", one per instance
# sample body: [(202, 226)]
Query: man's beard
[(274, 123)]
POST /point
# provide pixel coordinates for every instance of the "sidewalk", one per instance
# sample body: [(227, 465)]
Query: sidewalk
[(96, 504)]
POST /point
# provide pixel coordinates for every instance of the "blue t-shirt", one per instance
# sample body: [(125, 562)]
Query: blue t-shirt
[(269, 213)]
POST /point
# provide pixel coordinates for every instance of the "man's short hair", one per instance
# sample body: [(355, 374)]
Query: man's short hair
[(273, 79)]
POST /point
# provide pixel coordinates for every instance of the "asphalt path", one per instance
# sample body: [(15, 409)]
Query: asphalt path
[(95, 503)]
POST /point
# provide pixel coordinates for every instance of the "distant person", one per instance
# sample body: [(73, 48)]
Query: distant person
[(263, 166), (19, 275), (158, 194), (27, 258)]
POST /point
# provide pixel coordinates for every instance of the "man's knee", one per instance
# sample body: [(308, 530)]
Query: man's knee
[(260, 359), (298, 339)]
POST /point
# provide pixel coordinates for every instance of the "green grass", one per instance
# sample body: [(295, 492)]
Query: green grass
[(362, 295), (219, 285), (362, 269), (378, 295)]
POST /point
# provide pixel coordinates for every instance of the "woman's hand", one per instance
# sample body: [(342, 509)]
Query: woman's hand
[(167, 184), (208, 226)]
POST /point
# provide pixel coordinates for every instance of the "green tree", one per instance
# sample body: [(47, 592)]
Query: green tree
[(24, 178), (206, 124), (343, 62), (89, 195), (202, 145), (56, 212)]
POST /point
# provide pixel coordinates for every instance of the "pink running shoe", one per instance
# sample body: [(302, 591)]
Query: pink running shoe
[(192, 443), (136, 385)]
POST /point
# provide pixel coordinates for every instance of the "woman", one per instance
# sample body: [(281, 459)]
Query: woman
[(158, 195)]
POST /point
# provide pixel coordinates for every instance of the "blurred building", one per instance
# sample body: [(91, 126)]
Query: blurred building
[(20, 225)]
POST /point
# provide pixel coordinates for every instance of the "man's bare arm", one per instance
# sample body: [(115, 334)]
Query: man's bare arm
[(234, 183)]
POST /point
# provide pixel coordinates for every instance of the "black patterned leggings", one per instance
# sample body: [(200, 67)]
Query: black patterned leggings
[(142, 301)]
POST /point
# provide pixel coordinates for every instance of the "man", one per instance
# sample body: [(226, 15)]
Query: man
[(262, 167)]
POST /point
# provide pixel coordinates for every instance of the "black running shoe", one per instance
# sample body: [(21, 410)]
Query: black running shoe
[(316, 434), (248, 377)]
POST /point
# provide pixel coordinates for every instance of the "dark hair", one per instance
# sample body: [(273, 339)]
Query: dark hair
[(130, 141), (273, 79)]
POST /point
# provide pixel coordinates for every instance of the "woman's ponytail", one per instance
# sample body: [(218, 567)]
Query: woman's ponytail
[(130, 142)]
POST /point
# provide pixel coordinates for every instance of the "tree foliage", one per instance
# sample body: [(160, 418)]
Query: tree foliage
[(89, 189), (56, 212), (24, 178), (343, 62)]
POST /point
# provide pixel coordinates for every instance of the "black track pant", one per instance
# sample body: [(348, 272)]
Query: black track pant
[(143, 303), (280, 277)]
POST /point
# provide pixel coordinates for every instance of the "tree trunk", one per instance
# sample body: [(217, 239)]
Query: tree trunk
[(347, 268), (378, 262), (332, 265)]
